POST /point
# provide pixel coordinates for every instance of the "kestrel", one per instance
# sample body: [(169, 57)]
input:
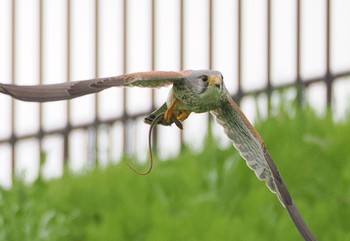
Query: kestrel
[(192, 91)]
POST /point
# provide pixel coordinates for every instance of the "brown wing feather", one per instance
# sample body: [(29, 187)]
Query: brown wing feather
[(70, 90), (251, 147)]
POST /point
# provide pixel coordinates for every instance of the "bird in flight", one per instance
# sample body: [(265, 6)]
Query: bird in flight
[(195, 91)]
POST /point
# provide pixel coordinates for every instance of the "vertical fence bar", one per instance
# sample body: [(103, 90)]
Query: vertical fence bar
[(40, 134), (182, 49), (153, 66), (239, 94), (182, 35), (153, 42), (125, 69), (97, 74), (210, 49), (268, 56), (329, 77), (298, 81), (68, 125), (210, 34), (13, 81)]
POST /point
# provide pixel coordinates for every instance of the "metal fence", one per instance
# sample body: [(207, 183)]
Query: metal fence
[(126, 119)]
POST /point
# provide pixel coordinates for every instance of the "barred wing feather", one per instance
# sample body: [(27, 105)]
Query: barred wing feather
[(246, 141), (70, 90), (251, 147)]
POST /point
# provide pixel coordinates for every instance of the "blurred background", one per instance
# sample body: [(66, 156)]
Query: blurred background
[(261, 47)]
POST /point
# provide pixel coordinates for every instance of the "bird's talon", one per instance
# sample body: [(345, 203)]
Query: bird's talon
[(168, 116), (178, 123)]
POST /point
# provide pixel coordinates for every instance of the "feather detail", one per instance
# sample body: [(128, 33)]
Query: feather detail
[(154, 79)]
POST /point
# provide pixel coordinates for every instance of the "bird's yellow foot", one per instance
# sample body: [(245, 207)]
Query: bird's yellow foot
[(183, 115), (171, 117)]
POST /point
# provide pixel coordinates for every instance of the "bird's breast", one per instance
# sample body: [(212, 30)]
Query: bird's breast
[(191, 101)]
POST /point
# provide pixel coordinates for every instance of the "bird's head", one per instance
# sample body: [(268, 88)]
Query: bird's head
[(202, 81), (200, 91), (206, 82)]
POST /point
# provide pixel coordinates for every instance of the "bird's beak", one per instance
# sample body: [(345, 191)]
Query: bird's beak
[(215, 81)]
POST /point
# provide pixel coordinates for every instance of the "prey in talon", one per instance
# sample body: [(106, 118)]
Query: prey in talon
[(162, 120)]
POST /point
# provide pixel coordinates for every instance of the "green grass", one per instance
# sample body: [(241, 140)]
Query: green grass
[(207, 196)]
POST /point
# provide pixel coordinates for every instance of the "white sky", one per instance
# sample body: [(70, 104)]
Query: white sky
[(167, 58)]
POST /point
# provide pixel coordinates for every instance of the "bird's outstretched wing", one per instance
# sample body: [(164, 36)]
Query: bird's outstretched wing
[(70, 90), (251, 147)]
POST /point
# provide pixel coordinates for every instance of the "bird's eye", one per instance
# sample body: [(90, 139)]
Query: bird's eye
[(204, 78)]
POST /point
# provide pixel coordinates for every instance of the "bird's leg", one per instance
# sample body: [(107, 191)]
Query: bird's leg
[(170, 113)]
